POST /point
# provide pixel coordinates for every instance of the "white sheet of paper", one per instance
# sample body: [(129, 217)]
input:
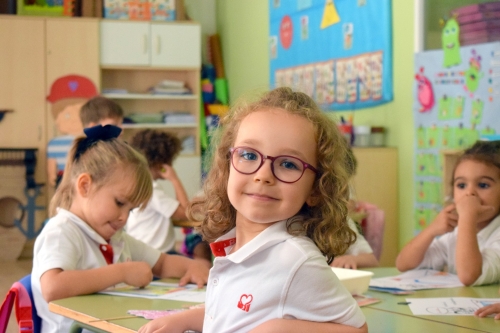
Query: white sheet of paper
[(448, 306), (160, 290), (417, 280)]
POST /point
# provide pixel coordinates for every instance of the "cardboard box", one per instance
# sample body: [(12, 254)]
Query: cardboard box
[(144, 10)]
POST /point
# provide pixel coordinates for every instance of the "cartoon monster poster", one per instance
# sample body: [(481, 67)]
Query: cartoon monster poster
[(337, 52), (456, 102)]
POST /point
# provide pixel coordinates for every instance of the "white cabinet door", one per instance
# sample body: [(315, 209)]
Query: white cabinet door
[(125, 43), (176, 45)]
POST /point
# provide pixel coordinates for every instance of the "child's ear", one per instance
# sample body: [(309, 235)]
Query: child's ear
[(83, 183), (313, 199)]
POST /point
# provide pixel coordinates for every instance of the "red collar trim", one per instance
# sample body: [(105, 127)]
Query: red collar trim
[(218, 248), (107, 252)]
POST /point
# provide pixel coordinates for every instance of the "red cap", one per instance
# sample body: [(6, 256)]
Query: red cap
[(71, 86)]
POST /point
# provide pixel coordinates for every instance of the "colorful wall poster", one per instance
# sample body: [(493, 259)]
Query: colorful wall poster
[(455, 104), (337, 51)]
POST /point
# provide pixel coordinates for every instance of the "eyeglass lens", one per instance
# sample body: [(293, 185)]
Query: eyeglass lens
[(284, 168)]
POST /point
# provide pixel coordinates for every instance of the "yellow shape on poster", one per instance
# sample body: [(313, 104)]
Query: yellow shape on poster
[(330, 15)]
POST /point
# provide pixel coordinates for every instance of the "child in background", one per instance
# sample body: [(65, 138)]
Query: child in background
[(153, 224), (83, 249), (469, 227), (359, 254), (274, 218), (101, 110)]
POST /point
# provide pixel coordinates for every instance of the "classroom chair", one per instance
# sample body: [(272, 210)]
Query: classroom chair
[(19, 297), (373, 226)]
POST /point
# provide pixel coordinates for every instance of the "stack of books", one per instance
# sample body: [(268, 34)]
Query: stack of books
[(170, 87), (178, 118), (479, 23)]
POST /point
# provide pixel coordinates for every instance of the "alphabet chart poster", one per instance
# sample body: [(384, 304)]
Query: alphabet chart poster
[(456, 102), (339, 52)]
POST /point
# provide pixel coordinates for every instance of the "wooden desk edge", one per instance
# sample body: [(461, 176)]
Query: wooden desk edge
[(83, 318)]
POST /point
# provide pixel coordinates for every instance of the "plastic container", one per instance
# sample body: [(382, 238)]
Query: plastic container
[(346, 131), (356, 282), (362, 136), (377, 137)]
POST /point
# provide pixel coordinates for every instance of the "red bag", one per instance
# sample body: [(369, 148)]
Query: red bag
[(18, 296)]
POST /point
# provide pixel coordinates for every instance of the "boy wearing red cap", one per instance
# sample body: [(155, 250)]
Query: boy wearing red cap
[(67, 95)]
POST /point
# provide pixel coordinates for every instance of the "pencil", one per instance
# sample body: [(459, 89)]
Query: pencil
[(112, 318)]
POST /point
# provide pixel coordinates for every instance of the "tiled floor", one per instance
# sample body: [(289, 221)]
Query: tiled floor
[(11, 272)]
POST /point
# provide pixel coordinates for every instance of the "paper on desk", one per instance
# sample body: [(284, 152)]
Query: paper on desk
[(160, 290), (416, 280), (448, 306)]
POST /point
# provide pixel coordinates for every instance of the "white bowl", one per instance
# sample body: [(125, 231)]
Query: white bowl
[(356, 282)]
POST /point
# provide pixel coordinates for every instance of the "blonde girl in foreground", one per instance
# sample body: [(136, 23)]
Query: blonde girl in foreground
[(82, 249)]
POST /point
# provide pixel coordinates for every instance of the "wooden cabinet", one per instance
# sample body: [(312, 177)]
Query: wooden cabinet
[(34, 52), (22, 82), (150, 44), (136, 56), (376, 182)]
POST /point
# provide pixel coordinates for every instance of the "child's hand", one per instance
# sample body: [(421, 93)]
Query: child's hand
[(176, 323), (136, 273), (470, 206), (489, 309), (167, 324), (345, 261), (445, 221), (197, 272), (167, 172)]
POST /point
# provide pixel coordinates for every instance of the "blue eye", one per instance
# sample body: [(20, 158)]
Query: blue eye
[(289, 165), (249, 156), (483, 185)]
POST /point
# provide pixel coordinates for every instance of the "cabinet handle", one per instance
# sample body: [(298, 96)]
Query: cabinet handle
[(145, 43), (158, 44)]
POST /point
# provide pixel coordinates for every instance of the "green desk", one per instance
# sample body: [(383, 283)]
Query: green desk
[(383, 317), (390, 304), (84, 309)]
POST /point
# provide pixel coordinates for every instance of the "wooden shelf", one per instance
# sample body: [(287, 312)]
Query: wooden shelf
[(152, 96), (159, 126)]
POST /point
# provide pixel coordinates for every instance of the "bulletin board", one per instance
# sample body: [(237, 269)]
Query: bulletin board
[(456, 102), (339, 52)]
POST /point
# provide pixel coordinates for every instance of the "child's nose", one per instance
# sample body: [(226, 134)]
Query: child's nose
[(265, 173)]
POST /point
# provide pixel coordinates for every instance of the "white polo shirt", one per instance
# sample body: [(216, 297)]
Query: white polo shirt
[(69, 243), (275, 275), (441, 252), (153, 225)]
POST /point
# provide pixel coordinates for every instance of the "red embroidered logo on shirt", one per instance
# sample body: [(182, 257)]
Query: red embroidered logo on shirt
[(244, 302)]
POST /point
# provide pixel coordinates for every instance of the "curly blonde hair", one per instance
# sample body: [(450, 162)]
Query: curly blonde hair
[(325, 222)]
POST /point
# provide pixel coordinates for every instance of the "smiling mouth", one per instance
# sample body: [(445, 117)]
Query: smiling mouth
[(450, 46), (261, 197)]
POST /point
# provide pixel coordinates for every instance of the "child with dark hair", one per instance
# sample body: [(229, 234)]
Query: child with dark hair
[(469, 228), (153, 225)]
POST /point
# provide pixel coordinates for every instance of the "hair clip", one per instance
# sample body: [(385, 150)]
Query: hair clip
[(95, 134)]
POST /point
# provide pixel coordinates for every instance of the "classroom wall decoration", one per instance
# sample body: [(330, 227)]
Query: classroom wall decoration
[(339, 52), (456, 102)]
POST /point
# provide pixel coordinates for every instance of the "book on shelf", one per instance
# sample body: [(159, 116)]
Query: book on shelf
[(171, 83), (178, 118), (169, 90), (115, 91)]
